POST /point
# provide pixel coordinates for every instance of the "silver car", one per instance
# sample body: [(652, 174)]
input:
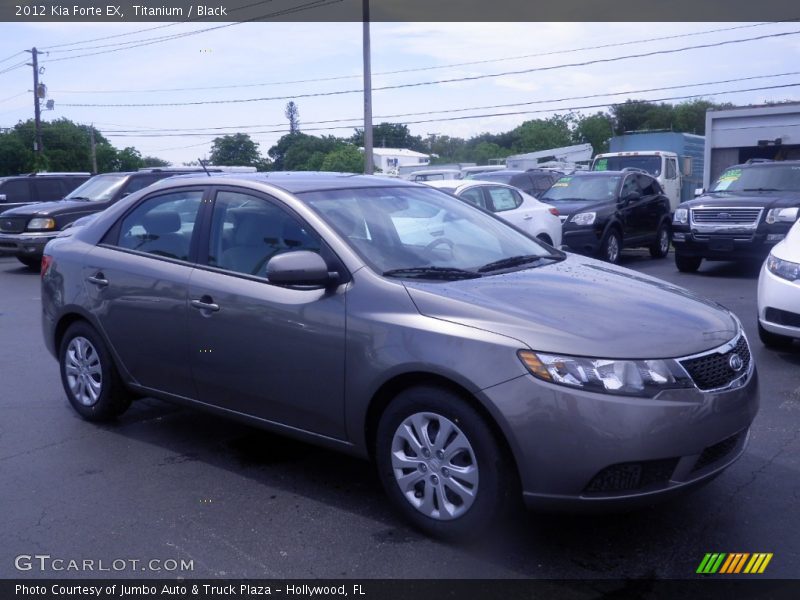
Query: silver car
[(465, 358)]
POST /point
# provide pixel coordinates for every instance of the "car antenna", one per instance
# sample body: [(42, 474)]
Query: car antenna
[(202, 164)]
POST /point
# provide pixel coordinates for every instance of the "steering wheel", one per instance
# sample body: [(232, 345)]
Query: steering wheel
[(441, 241)]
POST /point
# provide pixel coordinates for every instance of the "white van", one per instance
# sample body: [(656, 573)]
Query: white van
[(661, 165)]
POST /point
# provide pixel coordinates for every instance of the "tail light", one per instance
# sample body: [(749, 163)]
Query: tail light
[(553, 211), (47, 260)]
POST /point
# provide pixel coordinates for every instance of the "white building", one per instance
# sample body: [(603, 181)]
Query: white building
[(736, 135), (389, 159)]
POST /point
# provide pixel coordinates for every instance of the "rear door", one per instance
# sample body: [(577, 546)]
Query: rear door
[(137, 280), (47, 189), (274, 352)]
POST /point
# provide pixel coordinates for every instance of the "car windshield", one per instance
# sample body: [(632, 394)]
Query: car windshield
[(499, 176), (98, 189), (423, 233), (582, 187), (651, 164), (782, 178)]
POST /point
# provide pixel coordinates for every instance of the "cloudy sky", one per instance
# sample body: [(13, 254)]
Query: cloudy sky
[(277, 60)]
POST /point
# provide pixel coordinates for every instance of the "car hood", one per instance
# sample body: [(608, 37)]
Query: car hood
[(571, 207), (732, 199), (57, 207), (583, 307)]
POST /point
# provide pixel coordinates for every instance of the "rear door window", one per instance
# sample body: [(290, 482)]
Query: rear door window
[(137, 183), (474, 196), (16, 190), (503, 198), (48, 188)]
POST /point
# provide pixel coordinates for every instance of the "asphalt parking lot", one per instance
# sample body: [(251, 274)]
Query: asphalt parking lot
[(170, 483)]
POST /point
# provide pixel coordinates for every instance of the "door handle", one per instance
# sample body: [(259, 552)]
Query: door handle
[(205, 303), (98, 279), (528, 217)]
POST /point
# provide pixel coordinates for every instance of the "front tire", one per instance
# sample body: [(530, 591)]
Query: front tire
[(441, 464), (611, 247), (89, 376), (687, 264), (660, 248), (773, 340)]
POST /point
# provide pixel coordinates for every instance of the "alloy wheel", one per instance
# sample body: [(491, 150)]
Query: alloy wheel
[(612, 249), (83, 371)]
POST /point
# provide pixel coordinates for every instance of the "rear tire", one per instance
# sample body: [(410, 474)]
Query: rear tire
[(687, 264), (441, 465), (773, 340), (89, 375), (611, 246), (660, 248), (32, 263)]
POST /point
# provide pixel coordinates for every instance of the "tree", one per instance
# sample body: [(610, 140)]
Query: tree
[(237, 149), (543, 134), (154, 161), (129, 159), (596, 130), (391, 135), (293, 114), (301, 152), (345, 159), (15, 158)]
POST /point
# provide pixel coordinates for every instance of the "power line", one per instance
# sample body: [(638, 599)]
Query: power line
[(7, 58), (14, 96), (481, 116), (418, 69), (13, 67), (439, 81), (138, 43), (206, 130)]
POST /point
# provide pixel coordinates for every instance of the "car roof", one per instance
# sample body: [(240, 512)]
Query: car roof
[(765, 164), (296, 182)]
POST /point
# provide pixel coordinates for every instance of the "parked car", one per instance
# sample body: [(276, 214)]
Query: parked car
[(435, 175), (510, 204), (605, 211), (477, 171), (25, 230), (533, 182), (461, 362), (18, 190), (748, 210), (779, 292)]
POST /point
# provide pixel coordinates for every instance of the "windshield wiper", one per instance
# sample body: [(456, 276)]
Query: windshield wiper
[(432, 273), (78, 198), (761, 189), (515, 261)]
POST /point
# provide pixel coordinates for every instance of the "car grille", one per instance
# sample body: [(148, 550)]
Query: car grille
[(13, 224), (726, 216), (624, 477), (713, 370), (782, 317), (718, 451)]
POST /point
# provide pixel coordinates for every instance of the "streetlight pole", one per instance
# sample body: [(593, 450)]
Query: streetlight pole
[(369, 166)]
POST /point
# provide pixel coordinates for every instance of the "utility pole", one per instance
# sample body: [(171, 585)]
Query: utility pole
[(37, 146), (369, 166), (94, 151)]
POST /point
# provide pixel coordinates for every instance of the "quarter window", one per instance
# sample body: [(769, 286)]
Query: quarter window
[(474, 196), (246, 231), (48, 189), (162, 225)]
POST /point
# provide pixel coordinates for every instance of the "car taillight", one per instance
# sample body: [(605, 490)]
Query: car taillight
[(46, 262), (553, 211)]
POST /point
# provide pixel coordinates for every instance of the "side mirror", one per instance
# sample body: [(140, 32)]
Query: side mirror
[(2, 197), (298, 268), (699, 192), (687, 166), (632, 197)]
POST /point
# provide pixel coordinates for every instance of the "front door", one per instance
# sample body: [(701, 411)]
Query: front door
[(264, 350)]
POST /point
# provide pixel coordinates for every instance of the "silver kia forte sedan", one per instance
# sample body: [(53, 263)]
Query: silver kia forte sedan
[(394, 322)]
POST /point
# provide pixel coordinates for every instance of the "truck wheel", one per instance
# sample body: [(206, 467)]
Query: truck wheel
[(611, 246), (660, 248), (89, 376), (441, 465), (773, 340), (687, 264), (30, 262)]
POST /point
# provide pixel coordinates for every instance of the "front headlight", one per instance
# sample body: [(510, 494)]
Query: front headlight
[(41, 224), (783, 268), (781, 215), (622, 377), (586, 218), (681, 216)]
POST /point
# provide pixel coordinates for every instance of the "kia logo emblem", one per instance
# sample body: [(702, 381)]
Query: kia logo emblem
[(735, 362)]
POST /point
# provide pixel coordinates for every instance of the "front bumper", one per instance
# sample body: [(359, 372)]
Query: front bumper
[(584, 240), (783, 297), (724, 245), (25, 244), (579, 450)]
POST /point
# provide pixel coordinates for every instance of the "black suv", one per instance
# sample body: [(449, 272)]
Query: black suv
[(16, 190), (604, 211), (24, 231), (532, 181), (748, 210)]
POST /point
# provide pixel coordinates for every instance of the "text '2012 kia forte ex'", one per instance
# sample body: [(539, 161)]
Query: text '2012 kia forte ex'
[(392, 321)]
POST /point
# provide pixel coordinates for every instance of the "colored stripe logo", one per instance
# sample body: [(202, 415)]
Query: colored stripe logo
[(734, 563)]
